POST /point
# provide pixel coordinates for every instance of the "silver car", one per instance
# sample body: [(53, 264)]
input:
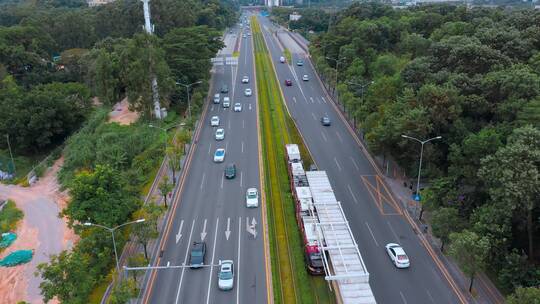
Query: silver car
[(226, 275), (238, 107), (220, 134), (247, 92)]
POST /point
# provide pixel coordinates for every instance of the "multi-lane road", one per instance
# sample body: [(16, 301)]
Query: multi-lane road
[(211, 208), (373, 217)]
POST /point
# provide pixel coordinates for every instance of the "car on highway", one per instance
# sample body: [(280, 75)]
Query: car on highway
[(245, 79), (219, 155), (325, 121), (249, 33), (216, 98), (220, 134), (397, 255), (244, 36), (282, 59), (197, 254), (226, 102), (230, 171), (288, 82), (252, 198), (247, 92), (238, 107), (226, 275), (300, 62), (224, 89), (214, 121), (305, 77)]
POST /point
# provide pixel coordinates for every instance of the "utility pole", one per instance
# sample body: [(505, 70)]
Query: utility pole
[(149, 28)]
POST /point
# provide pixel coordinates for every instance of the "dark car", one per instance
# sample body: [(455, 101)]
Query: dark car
[(230, 171), (224, 89), (325, 120), (288, 82), (300, 62), (196, 257)]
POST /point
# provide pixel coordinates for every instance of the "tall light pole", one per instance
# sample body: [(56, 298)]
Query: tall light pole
[(10, 154), (111, 230), (422, 142), (149, 28), (164, 131), (187, 86), (362, 86), (337, 61)]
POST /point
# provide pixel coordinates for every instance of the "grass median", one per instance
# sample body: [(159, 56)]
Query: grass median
[(291, 282)]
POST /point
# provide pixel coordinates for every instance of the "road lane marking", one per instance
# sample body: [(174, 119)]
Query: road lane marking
[(294, 99), (430, 297), (241, 178), (352, 194), (222, 181), (243, 124), (337, 164), (212, 109), (311, 98), (226, 146), (324, 100), (313, 114), (185, 261), (403, 297), (229, 124), (372, 235), (393, 232), (339, 136), (209, 148), (203, 233), (318, 100), (202, 181), (179, 234), (228, 231), (242, 146), (323, 136), (357, 168), (238, 262), (212, 263)]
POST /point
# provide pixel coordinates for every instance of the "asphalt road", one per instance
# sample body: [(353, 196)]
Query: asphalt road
[(374, 222), (212, 208)]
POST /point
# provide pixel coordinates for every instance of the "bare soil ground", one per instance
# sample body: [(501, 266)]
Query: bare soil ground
[(121, 113), (41, 229)]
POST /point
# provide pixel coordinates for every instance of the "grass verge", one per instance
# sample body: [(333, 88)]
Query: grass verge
[(291, 282), (288, 55)]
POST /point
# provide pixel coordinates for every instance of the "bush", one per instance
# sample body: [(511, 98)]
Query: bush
[(9, 216)]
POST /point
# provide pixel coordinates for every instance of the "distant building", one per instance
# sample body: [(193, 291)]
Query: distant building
[(98, 2)]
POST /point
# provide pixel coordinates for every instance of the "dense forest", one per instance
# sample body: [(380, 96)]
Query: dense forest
[(55, 57), (471, 76)]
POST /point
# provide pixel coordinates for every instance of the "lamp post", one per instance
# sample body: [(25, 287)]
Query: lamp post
[(362, 86), (187, 86), (111, 230), (337, 61), (422, 142)]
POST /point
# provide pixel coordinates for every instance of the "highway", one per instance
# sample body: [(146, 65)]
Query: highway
[(212, 208), (373, 217)]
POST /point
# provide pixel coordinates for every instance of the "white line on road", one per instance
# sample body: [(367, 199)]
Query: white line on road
[(202, 181), (212, 109), (337, 164), (185, 261), (229, 124), (203, 233), (352, 194), (352, 159), (403, 297), (179, 234), (372, 235), (393, 232), (212, 263), (339, 136), (324, 100), (323, 136), (311, 98), (221, 181), (238, 262), (249, 106), (294, 99), (313, 114), (243, 124), (226, 146), (242, 147), (241, 178), (430, 297), (209, 148)]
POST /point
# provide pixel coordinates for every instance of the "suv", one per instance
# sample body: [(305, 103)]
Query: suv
[(300, 62), (226, 102), (325, 121), (196, 256), (230, 171), (214, 121), (216, 98), (282, 59), (224, 89)]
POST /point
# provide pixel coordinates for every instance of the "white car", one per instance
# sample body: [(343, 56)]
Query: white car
[(226, 275), (220, 134), (214, 121), (305, 77), (238, 107), (245, 79), (226, 102), (216, 98), (247, 92), (397, 255), (219, 155), (282, 59), (244, 36), (252, 198)]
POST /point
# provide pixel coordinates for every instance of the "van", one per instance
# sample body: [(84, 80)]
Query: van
[(282, 59), (216, 98)]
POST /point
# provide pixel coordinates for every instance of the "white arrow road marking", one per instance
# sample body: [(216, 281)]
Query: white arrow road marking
[(179, 234), (253, 222), (212, 263), (185, 261), (203, 233), (228, 231)]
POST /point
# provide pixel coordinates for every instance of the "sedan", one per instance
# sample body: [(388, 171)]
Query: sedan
[(214, 121), (288, 82), (226, 275), (300, 62), (219, 155), (252, 198), (238, 107), (230, 171), (305, 77), (226, 102), (397, 255), (196, 256), (325, 121), (247, 92), (245, 79), (224, 89), (244, 36), (220, 134)]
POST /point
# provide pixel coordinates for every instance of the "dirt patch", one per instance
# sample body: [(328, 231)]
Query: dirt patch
[(121, 113), (41, 229)]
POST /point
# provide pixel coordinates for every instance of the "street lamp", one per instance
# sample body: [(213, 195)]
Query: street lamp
[(337, 61), (111, 230), (362, 86), (165, 131), (187, 86), (422, 142)]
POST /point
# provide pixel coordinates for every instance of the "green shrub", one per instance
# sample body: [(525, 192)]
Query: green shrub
[(9, 216)]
